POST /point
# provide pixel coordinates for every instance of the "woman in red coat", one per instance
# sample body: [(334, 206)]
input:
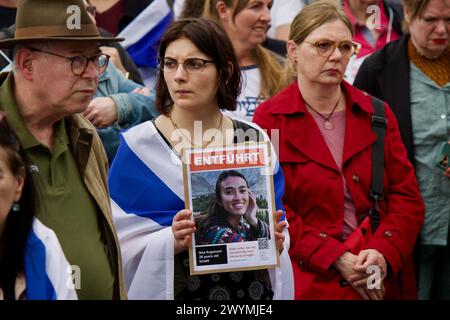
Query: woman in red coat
[(325, 148)]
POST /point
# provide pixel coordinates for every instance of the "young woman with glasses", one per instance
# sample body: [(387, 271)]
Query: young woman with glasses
[(199, 78), (325, 142)]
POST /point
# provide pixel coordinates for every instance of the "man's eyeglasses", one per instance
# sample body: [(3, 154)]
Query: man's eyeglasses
[(79, 64), (193, 65), (326, 48)]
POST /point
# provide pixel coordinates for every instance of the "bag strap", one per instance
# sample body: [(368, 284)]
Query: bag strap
[(379, 125)]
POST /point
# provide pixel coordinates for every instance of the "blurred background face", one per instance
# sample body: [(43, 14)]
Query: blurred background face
[(234, 195), (430, 33), (250, 25), (10, 188), (190, 90), (316, 68)]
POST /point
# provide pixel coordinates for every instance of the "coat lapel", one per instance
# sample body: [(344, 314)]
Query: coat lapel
[(310, 141), (358, 133), (302, 132)]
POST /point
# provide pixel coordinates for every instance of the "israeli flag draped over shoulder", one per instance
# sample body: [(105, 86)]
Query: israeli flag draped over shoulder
[(142, 37), (147, 190), (48, 274)]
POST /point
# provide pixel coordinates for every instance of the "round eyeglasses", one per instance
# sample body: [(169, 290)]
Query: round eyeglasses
[(80, 63), (192, 65), (326, 48)]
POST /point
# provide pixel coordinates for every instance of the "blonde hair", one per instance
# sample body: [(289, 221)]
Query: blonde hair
[(416, 9), (271, 70), (310, 18)]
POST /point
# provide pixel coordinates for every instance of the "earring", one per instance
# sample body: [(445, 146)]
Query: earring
[(16, 207)]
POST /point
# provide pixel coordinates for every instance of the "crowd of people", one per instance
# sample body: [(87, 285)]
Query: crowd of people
[(352, 96)]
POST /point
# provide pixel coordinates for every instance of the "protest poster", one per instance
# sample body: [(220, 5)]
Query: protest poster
[(230, 192)]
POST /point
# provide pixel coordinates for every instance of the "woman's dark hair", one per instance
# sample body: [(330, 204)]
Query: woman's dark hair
[(209, 37), (215, 210), (18, 223), (192, 9)]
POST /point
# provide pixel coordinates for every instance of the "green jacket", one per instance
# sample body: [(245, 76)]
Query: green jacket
[(92, 164)]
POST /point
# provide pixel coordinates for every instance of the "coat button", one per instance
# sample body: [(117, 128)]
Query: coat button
[(355, 178), (388, 233), (301, 264), (323, 235)]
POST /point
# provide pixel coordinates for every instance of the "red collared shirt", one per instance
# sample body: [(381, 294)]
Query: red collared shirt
[(363, 35)]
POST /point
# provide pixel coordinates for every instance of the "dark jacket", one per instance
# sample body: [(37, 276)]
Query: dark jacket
[(385, 74)]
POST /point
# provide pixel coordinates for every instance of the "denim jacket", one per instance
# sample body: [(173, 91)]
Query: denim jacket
[(132, 108)]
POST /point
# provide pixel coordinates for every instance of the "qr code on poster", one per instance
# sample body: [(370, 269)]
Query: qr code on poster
[(263, 243)]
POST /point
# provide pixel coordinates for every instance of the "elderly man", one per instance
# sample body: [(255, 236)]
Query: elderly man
[(57, 63)]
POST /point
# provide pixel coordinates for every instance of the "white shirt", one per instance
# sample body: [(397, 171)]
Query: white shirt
[(249, 98), (283, 12)]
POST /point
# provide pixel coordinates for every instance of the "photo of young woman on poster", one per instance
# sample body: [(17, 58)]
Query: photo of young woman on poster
[(231, 215)]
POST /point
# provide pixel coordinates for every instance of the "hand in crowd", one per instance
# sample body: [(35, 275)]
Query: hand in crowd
[(367, 258), (142, 90), (101, 112), (182, 228), (354, 270), (114, 57), (279, 235)]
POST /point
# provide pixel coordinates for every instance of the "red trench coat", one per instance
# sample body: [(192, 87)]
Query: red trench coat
[(314, 196)]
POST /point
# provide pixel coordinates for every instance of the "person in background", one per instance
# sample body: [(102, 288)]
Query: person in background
[(146, 178), (326, 146), (376, 23), (118, 55), (54, 77), (27, 248), (246, 23), (118, 103), (115, 15), (195, 9), (8, 10), (282, 13), (188, 8), (412, 74)]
